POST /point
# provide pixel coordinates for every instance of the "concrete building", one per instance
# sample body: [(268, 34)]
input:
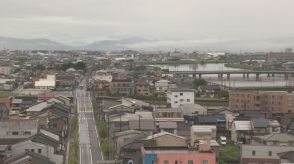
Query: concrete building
[(18, 128), (178, 97), (123, 86), (6, 70), (270, 102), (266, 154), (162, 85), (274, 57), (178, 156), (102, 75), (168, 114), (48, 83)]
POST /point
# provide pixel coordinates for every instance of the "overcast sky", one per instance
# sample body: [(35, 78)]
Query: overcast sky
[(245, 23)]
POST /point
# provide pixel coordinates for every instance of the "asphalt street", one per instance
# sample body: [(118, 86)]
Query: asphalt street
[(90, 150)]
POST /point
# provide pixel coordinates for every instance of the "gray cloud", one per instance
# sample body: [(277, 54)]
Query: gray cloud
[(168, 23)]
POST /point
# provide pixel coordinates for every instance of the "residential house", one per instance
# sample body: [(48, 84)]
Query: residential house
[(142, 89), (54, 116), (162, 85), (177, 97), (4, 112), (101, 87), (126, 136), (260, 126), (13, 130), (165, 139), (275, 139), (262, 154), (169, 148), (122, 86), (41, 144), (202, 132), (43, 96), (140, 120), (66, 81), (193, 110), (242, 131), (170, 127), (209, 90), (178, 156), (7, 84), (20, 103), (28, 157), (168, 114), (6, 98)]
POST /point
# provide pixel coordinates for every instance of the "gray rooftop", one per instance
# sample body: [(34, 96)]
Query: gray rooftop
[(262, 151)]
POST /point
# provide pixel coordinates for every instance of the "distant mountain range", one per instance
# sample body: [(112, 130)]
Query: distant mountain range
[(45, 44), (136, 43)]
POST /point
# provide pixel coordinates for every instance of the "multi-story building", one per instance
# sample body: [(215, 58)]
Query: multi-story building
[(286, 56), (102, 75), (123, 86), (177, 97), (48, 83), (270, 102), (6, 70), (66, 81)]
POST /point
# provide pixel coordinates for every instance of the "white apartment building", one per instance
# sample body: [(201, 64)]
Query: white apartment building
[(177, 97), (102, 75)]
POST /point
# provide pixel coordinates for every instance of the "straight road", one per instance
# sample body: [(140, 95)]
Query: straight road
[(90, 150)]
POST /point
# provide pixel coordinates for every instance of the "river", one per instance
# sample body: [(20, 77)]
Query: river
[(235, 80)]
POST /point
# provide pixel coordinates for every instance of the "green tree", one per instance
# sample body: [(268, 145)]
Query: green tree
[(224, 94), (198, 82)]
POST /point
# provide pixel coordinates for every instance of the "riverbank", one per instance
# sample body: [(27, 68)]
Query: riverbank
[(179, 62)]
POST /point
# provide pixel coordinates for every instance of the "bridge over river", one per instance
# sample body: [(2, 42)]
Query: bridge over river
[(228, 73)]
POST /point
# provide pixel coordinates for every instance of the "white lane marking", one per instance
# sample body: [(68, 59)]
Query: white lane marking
[(80, 154), (96, 129), (91, 155)]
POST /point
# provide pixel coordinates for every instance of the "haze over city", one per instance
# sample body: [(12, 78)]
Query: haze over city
[(223, 25)]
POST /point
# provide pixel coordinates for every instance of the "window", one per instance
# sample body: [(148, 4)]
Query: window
[(176, 95), (188, 100), (54, 125), (253, 152), (176, 162), (205, 162), (181, 94), (165, 162), (14, 133), (190, 162), (9, 133), (39, 151), (32, 150), (181, 100), (270, 153), (175, 102), (27, 133)]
